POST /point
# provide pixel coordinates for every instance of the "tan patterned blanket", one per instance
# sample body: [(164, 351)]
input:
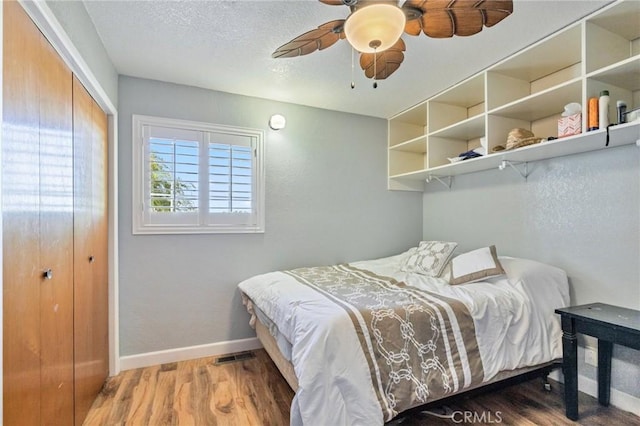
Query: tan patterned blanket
[(420, 346)]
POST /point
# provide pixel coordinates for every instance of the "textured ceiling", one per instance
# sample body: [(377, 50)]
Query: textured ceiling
[(226, 45)]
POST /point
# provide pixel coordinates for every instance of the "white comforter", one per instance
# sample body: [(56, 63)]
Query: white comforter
[(514, 320)]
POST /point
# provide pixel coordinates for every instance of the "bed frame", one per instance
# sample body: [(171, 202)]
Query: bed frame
[(270, 345), (501, 380)]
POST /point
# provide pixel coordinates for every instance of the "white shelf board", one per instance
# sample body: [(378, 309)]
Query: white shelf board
[(625, 74), (416, 115), (624, 134), (620, 19), (418, 145), (544, 57), (542, 104), (470, 128), (465, 94)]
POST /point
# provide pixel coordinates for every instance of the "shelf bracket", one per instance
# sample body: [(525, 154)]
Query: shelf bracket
[(514, 165), (446, 181)]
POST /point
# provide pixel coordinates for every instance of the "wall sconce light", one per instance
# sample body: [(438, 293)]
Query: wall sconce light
[(277, 122)]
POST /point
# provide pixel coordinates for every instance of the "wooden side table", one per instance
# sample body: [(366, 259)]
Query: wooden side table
[(609, 324)]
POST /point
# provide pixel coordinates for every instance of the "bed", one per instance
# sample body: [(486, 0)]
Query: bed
[(360, 343)]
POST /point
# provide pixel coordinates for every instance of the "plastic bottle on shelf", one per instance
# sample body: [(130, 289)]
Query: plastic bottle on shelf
[(592, 114), (621, 107), (603, 109)]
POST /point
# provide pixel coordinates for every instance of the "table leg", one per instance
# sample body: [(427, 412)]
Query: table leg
[(604, 371), (570, 367)]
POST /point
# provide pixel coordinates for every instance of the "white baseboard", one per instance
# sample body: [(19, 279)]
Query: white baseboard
[(192, 352), (618, 399)]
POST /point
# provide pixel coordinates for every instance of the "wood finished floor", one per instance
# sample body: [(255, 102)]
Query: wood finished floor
[(252, 392)]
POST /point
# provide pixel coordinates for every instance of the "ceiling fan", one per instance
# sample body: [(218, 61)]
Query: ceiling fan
[(374, 28)]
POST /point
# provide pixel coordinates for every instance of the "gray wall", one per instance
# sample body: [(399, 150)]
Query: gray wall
[(326, 202), (76, 22), (580, 213)]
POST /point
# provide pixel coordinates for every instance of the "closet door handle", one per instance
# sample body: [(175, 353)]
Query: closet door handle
[(47, 274), (92, 259)]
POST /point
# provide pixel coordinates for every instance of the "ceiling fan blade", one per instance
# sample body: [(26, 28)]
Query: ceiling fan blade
[(470, 16), (320, 38), (438, 24), (332, 2), (425, 5), (498, 11), (446, 18), (431, 17), (413, 27), (468, 21), (386, 62)]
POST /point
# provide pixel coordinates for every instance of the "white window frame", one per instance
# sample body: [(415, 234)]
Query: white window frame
[(202, 222)]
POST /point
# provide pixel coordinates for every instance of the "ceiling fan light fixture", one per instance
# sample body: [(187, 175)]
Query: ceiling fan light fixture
[(375, 28)]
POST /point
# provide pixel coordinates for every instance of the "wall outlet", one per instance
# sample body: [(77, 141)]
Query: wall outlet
[(591, 356)]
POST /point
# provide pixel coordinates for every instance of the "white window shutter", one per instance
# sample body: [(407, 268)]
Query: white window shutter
[(197, 177)]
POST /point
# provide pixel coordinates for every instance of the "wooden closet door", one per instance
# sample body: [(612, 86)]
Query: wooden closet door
[(100, 253), (90, 251), (22, 270), (56, 238), (38, 235)]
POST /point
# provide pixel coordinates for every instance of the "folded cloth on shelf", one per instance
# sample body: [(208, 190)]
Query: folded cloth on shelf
[(469, 154), (480, 150)]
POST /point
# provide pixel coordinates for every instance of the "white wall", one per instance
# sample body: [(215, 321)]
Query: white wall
[(77, 24), (326, 203), (580, 213)]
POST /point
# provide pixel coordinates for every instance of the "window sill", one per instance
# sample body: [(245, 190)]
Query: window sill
[(177, 230)]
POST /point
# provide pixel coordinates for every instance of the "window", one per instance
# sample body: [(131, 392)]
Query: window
[(194, 177)]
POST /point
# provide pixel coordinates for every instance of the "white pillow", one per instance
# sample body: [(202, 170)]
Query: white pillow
[(429, 258), (476, 265)]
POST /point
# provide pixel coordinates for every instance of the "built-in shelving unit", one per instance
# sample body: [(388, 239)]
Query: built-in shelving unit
[(527, 90)]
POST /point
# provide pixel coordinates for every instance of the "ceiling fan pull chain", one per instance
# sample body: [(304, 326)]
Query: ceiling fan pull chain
[(353, 54), (375, 71)]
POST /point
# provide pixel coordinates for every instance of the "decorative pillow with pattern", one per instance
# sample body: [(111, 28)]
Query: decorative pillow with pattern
[(429, 258), (476, 265)]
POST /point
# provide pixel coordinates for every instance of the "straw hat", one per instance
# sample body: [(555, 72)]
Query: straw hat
[(518, 138)]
